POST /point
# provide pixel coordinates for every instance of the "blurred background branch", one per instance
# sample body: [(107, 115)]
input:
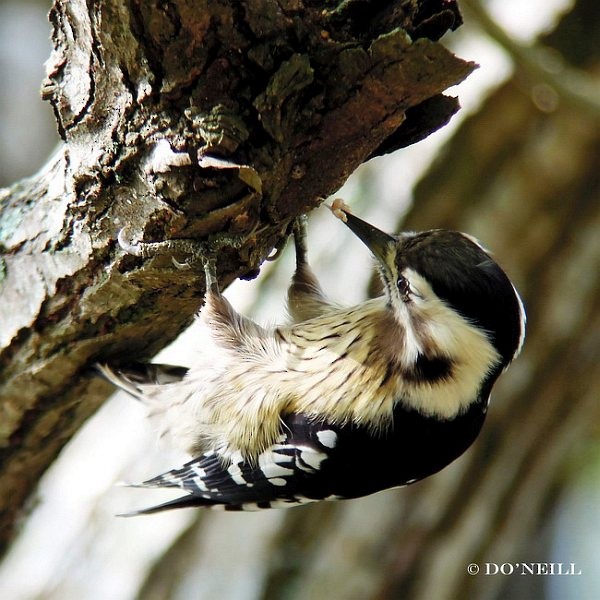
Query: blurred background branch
[(543, 64)]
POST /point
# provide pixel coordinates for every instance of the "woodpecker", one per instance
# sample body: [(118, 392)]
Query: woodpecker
[(340, 402)]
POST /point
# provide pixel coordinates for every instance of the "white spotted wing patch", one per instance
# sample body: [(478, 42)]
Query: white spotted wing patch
[(299, 500), (279, 477), (309, 459), (278, 481), (235, 473), (274, 465), (327, 437)]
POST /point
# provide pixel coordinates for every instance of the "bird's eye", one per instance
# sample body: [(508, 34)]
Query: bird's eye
[(403, 286)]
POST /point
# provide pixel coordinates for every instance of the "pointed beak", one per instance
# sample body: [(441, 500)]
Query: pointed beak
[(377, 241)]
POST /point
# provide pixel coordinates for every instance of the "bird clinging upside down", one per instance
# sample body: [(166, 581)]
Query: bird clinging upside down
[(343, 401)]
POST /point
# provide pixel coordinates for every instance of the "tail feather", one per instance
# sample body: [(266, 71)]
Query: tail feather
[(160, 481), (182, 502), (129, 378)]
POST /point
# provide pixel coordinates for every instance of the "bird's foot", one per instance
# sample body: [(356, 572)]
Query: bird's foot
[(196, 251), (298, 230)]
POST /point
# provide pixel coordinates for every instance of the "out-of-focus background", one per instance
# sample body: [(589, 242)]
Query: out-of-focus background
[(519, 167)]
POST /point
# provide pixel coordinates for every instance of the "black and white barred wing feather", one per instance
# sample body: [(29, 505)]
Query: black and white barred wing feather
[(315, 460), (289, 473)]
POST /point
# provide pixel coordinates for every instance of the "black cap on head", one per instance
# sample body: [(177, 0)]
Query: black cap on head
[(462, 274)]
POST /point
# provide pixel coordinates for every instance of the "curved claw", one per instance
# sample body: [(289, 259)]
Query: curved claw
[(141, 249), (126, 245), (148, 249), (182, 266), (278, 250), (210, 273)]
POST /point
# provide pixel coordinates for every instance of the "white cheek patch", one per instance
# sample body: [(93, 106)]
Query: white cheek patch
[(418, 285), (431, 323)]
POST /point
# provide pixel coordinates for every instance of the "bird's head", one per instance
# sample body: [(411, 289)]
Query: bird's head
[(419, 270)]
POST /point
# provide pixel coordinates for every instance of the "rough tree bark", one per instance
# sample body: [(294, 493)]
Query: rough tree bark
[(213, 121)]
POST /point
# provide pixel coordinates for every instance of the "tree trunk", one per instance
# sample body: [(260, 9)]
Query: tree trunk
[(210, 121)]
